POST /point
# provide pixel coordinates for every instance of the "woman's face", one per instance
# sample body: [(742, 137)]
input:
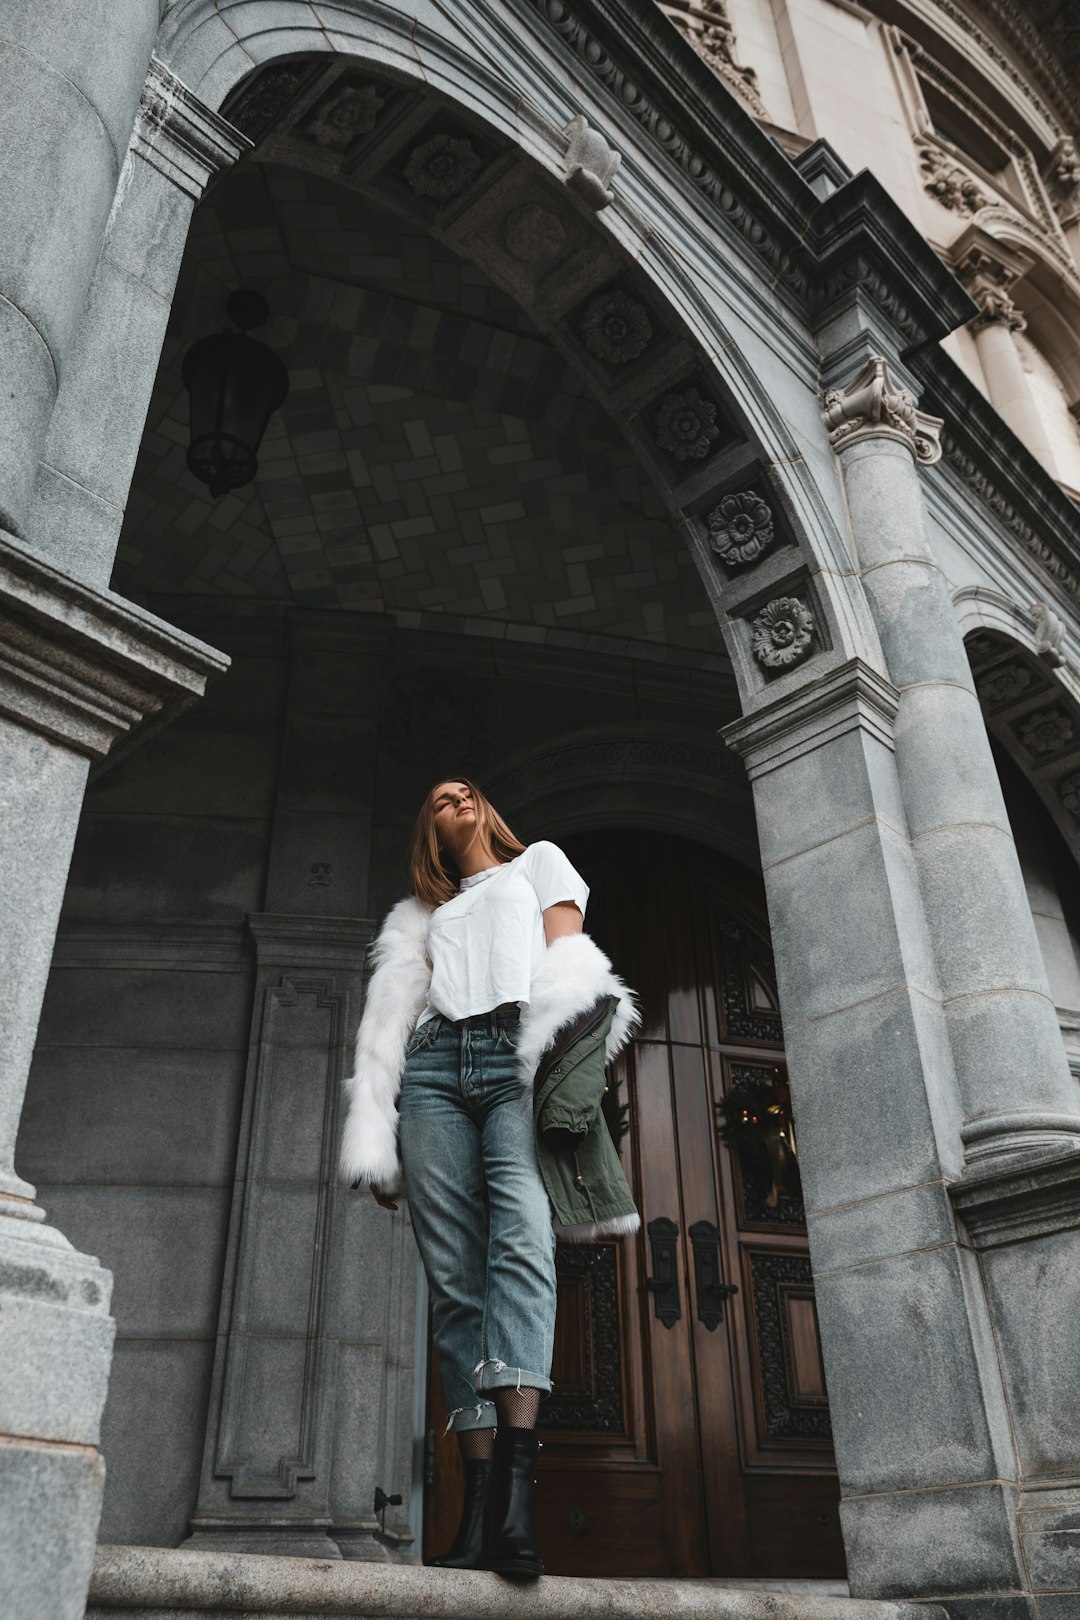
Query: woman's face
[(455, 814)]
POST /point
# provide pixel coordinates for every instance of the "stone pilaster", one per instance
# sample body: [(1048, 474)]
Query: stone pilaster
[(267, 1469), (310, 1382), (81, 673)]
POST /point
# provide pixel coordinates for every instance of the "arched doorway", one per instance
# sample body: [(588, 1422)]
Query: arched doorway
[(688, 1433)]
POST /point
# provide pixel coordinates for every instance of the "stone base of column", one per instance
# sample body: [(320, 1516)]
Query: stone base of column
[(57, 1338)]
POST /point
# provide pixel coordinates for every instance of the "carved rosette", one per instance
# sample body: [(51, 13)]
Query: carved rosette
[(949, 185), (1005, 684), (686, 425), (1046, 732), (871, 405), (442, 167), (348, 111), (781, 634), (1069, 793), (741, 528), (615, 328)]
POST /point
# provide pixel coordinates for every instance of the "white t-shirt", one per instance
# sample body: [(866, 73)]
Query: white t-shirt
[(486, 942)]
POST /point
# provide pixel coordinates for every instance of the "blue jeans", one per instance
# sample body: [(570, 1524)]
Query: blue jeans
[(479, 1210)]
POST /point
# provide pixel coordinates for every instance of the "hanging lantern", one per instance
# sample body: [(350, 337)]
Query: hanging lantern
[(235, 383)]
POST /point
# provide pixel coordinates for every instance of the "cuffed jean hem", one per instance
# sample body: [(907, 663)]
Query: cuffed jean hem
[(497, 1375), (480, 1416)]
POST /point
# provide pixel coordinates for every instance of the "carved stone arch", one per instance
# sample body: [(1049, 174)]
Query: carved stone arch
[(647, 777), (1030, 696), (732, 473)]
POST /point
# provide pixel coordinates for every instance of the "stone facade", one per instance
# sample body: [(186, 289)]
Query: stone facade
[(622, 413)]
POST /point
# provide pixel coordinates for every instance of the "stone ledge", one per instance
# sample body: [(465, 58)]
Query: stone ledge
[(136, 1583), (1016, 1202), (84, 667)]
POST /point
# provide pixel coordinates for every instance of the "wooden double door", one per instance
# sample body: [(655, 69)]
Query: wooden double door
[(688, 1433)]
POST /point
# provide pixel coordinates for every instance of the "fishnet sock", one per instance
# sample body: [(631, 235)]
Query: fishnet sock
[(476, 1445), (517, 1408)]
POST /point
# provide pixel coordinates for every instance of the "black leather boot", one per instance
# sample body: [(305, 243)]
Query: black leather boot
[(511, 1547), (464, 1552)]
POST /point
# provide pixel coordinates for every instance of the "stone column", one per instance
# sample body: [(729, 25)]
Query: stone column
[(1018, 1196), (70, 79), (305, 1404), (989, 269), (80, 672), (1016, 1091)]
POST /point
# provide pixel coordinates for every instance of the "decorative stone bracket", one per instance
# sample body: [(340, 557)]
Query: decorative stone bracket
[(872, 404), (589, 164)]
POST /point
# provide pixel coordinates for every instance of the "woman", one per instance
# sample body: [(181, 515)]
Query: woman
[(487, 1023)]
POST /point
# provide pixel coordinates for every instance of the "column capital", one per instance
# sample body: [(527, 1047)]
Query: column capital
[(872, 405), (853, 697)]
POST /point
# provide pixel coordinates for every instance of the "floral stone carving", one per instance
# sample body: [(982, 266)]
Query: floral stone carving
[(1069, 793), (1005, 684), (741, 528), (350, 110), (949, 185), (441, 168), (782, 632), (615, 328), (686, 425), (1047, 731)]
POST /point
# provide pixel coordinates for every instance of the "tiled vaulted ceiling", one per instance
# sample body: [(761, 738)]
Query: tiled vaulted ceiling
[(435, 454)]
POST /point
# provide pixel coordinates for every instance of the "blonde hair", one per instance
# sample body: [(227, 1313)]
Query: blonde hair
[(435, 877)]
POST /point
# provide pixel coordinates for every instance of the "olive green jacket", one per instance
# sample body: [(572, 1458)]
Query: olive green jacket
[(577, 1157)]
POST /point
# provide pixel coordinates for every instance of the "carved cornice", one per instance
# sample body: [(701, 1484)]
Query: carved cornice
[(180, 136), (83, 667), (873, 406), (1001, 473)]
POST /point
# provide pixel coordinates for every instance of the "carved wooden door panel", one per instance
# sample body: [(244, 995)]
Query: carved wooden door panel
[(688, 1433)]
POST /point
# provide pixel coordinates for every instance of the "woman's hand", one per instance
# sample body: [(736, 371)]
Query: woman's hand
[(382, 1200)]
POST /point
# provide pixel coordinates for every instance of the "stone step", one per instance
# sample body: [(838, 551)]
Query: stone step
[(154, 1583)]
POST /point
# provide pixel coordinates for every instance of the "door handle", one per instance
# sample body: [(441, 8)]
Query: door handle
[(663, 1285), (712, 1290)]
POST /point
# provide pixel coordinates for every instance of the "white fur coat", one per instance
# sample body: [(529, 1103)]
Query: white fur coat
[(573, 974)]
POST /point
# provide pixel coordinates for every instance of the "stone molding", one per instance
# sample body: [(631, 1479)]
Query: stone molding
[(179, 136), (1003, 475), (187, 947), (872, 405), (816, 254), (851, 698), (300, 943), (1018, 1203), (85, 668)]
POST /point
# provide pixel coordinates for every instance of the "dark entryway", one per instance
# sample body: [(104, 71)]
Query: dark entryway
[(689, 1429)]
